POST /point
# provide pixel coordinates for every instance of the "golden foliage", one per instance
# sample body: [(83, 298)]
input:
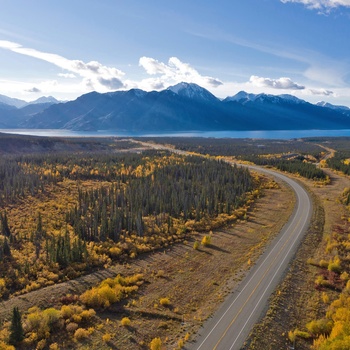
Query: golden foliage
[(164, 301), (155, 344), (111, 291), (126, 322), (206, 240), (81, 334)]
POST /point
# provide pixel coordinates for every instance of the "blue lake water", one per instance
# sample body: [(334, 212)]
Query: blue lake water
[(258, 134)]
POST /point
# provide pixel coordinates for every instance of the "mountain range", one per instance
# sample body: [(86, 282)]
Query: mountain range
[(183, 107)]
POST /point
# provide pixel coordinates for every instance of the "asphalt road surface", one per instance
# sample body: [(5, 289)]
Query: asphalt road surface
[(229, 327)]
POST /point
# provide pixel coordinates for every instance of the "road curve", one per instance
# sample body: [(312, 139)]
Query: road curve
[(230, 325)]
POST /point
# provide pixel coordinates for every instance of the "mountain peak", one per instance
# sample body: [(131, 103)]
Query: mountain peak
[(241, 97), (291, 98), (45, 99), (192, 91), (329, 105), (244, 97)]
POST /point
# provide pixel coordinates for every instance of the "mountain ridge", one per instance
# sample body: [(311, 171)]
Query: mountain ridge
[(182, 107)]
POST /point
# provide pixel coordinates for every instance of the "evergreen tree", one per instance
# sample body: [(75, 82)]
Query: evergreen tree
[(38, 235), (5, 230), (6, 248), (16, 328)]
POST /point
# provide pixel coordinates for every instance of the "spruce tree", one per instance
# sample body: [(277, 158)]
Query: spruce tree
[(6, 250), (16, 328), (5, 230)]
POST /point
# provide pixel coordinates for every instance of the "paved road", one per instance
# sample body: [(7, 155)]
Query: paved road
[(230, 325)]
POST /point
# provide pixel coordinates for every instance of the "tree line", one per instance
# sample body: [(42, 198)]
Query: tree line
[(294, 166), (340, 162)]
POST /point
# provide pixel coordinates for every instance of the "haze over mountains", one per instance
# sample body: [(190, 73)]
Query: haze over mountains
[(182, 107)]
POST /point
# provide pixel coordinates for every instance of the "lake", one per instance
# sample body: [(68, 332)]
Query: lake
[(258, 134)]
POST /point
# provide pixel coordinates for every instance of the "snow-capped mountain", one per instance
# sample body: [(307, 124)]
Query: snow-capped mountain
[(241, 97), (244, 97), (192, 91), (15, 111), (182, 107), (44, 99), (329, 105)]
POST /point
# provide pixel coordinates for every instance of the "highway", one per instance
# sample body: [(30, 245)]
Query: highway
[(231, 324), (229, 327)]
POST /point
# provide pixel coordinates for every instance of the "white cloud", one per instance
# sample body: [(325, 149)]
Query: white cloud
[(281, 83), (173, 72), (322, 92), (286, 84), (94, 74), (78, 77), (322, 5), (67, 75), (34, 89)]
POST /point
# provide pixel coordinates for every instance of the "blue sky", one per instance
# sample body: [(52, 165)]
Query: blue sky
[(67, 48)]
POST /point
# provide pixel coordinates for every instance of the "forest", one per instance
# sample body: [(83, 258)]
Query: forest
[(130, 203), (72, 207)]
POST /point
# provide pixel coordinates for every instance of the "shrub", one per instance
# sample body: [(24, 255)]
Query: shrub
[(115, 252), (317, 327), (88, 314), (206, 240), (51, 316), (4, 346), (81, 334), (106, 337), (320, 281), (54, 346), (125, 321), (180, 344), (302, 334), (155, 344), (347, 287), (325, 298), (161, 273), (34, 321), (335, 265), (111, 291), (323, 263), (164, 301), (76, 318), (344, 276), (196, 245), (107, 294), (71, 327), (66, 311), (291, 336), (2, 286)]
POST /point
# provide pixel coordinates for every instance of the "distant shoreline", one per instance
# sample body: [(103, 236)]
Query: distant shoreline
[(255, 134)]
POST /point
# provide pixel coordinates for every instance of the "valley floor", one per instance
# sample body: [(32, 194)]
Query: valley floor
[(195, 281)]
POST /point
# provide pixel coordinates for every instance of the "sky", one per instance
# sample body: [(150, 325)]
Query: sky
[(70, 47)]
